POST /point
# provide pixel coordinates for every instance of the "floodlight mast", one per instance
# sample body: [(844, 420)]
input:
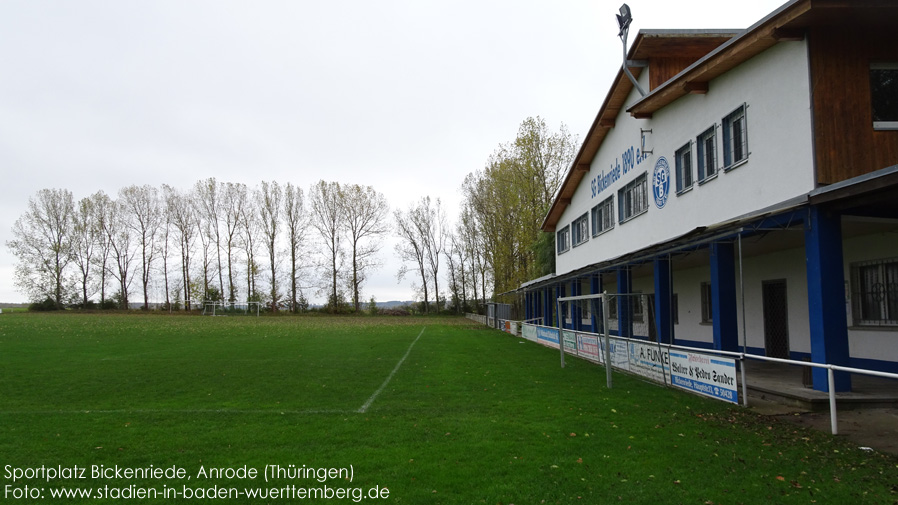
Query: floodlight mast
[(623, 22)]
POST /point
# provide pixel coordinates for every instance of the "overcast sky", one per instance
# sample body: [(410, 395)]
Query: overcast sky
[(405, 96)]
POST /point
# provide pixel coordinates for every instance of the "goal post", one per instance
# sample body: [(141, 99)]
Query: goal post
[(593, 302), (211, 308)]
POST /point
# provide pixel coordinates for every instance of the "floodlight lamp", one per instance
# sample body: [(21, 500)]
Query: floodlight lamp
[(624, 19)]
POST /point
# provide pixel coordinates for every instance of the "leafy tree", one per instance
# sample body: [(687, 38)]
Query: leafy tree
[(42, 244), (510, 197)]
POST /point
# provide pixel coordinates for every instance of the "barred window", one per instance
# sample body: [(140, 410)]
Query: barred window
[(633, 199), (735, 138), (706, 144), (875, 293), (603, 216), (684, 168), (580, 230)]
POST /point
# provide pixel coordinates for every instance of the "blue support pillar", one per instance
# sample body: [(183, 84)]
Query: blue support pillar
[(595, 287), (663, 297), (723, 297), (548, 308), (624, 323), (826, 296)]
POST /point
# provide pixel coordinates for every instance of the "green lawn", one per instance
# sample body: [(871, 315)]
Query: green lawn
[(470, 416)]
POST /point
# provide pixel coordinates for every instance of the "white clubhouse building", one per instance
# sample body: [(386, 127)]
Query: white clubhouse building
[(752, 192)]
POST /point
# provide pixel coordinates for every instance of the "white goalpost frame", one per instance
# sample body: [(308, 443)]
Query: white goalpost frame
[(606, 332), (224, 305)]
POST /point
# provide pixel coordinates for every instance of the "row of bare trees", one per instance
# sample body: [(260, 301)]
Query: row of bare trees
[(215, 241), (274, 243)]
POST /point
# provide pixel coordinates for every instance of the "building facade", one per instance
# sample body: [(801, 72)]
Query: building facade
[(751, 194)]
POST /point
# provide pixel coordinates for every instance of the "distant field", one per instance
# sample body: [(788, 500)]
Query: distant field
[(423, 410)]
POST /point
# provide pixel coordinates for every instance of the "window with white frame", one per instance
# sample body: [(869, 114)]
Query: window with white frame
[(884, 95), (875, 293), (563, 239), (603, 216), (580, 230), (707, 309), (706, 145), (633, 199), (735, 138), (684, 168)]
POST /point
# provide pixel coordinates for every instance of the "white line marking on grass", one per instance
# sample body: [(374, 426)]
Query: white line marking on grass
[(364, 408)]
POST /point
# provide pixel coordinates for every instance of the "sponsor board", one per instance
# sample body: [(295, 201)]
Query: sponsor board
[(547, 336), (708, 375), (570, 342), (529, 332), (650, 361), (588, 346)]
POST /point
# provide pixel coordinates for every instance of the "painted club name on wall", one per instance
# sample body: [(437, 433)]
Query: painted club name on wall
[(628, 160)]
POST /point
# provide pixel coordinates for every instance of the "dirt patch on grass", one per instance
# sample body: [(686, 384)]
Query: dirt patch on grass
[(873, 428)]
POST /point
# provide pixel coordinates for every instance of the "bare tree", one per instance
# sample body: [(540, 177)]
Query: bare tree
[(295, 218), (268, 198), (365, 213), (249, 228), (234, 202), (434, 231), (85, 241), (101, 204), (118, 230), (183, 219), (326, 217), (208, 198), (142, 205), (42, 244), (412, 247)]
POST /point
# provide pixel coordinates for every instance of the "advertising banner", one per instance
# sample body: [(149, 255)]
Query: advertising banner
[(712, 376), (588, 346), (570, 342), (650, 361), (529, 332), (547, 336)]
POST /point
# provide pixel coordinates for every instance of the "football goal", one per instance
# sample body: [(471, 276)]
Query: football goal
[(231, 308)]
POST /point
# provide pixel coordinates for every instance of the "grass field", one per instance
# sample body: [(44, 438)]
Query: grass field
[(428, 410)]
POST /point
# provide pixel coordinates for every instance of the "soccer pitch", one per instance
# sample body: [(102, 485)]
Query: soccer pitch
[(179, 409)]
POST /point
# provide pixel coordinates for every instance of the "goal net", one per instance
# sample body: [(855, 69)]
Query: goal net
[(231, 308)]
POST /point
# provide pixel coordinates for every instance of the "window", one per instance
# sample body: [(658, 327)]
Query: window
[(875, 293), (563, 239), (580, 230), (684, 168), (633, 199), (603, 216), (706, 303), (707, 154), (735, 139), (884, 93)]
